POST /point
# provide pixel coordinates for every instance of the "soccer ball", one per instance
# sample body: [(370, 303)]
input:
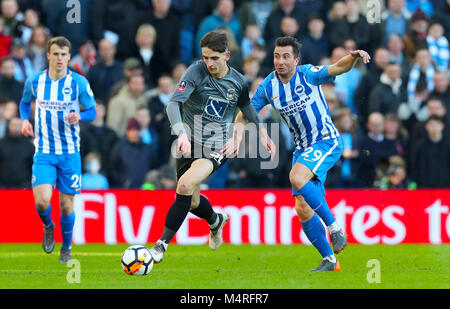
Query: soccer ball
[(137, 260)]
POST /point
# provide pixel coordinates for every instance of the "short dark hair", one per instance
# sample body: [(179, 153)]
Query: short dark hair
[(60, 41), (216, 40), (289, 41), (436, 118), (6, 58)]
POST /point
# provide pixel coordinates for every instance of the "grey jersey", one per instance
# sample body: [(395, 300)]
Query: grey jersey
[(208, 104)]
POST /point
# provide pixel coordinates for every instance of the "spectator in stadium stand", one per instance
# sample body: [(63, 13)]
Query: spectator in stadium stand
[(11, 110), (394, 131), (390, 93), (289, 27), (350, 134), (10, 88), (58, 20), (177, 71), (16, 157), (3, 120), (23, 66), (145, 52), (250, 69), (131, 66), (435, 107), (253, 36), (106, 72), (336, 12), (123, 106), (438, 45), (395, 20), (396, 54), (159, 120), (420, 85), (149, 135), (416, 37), (99, 138), (167, 45), (131, 159), (346, 84), (334, 105), (223, 16), (5, 40), (374, 149), (441, 88), (285, 8), (255, 12), (396, 176), (431, 157), (369, 81), (353, 26), (442, 14), (92, 178), (84, 59), (117, 20), (36, 49), (13, 18), (315, 43), (31, 21)]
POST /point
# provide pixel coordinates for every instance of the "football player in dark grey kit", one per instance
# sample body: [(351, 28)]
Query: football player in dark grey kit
[(201, 113)]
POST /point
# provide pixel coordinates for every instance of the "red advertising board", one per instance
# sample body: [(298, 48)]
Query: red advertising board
[(256, 216)]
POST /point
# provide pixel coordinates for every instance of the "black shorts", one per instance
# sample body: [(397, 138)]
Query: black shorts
[(200, 152)]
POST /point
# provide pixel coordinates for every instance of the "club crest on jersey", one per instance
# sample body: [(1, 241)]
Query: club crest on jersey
[(182, 86), (67, 91), (231, 94), (299, 89)]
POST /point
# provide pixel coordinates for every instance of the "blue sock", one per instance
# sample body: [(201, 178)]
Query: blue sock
[(316, 234), (46, 215), (316, 199), (67, 223)]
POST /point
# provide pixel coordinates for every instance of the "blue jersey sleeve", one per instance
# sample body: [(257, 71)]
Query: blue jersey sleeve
[(27, 98), (85, 94), (317, 75), (28, 92), (259, 99)]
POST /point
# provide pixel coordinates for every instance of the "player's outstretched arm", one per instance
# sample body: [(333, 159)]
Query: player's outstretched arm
[(346, 63)]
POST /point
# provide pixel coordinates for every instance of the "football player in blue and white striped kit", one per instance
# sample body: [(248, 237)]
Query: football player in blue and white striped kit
[(295, 92), (62, 99)]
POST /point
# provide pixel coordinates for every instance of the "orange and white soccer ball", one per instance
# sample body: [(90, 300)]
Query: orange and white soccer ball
[(137, 260)]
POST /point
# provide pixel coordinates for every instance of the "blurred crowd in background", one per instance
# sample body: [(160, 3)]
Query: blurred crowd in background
[(393, 114)]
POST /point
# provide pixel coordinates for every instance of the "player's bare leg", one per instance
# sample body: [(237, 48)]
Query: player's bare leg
[(186, 186), (67, 222), (42, 197)]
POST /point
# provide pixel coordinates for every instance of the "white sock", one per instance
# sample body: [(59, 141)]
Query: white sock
[(216, 223), (333, 228), (164, 244), (330, 258)]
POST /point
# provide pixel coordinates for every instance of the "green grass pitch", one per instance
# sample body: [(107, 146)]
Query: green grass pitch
[(231, 267)]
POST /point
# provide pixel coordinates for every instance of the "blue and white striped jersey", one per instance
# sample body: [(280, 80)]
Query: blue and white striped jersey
[(54, 100), (300, 102)]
